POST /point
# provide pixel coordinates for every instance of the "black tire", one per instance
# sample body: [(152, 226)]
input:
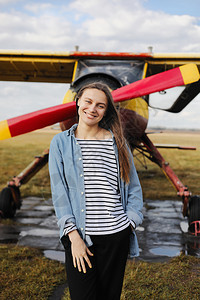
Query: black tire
[(7, 204), (194, 212)]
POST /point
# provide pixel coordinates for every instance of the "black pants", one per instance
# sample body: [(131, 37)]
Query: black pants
[(104, 280)]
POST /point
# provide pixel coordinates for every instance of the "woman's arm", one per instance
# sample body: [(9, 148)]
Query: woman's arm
[(135, 197), (59, 187)]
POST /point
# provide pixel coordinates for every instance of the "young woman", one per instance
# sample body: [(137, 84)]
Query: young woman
[(97, 197)]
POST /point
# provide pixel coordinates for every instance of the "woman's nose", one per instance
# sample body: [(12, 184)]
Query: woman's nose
[(92, 108)]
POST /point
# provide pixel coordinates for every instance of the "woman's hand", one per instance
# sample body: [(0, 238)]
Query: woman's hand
[(79, 251)]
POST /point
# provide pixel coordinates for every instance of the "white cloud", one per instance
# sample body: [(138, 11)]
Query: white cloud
[(94, 25), (106, 8), (30, 32), (133, 28), (6, 2), (144, 28), (38, 7), (115, 25), (17, 98)]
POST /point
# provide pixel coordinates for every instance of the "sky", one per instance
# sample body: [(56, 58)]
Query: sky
[(96, 25)]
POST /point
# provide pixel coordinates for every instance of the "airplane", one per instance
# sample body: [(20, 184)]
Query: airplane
[(132, 78)]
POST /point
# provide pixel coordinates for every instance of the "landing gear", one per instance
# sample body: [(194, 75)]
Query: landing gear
[(191, 204), (194, 215), (10, 199), (8, 204)]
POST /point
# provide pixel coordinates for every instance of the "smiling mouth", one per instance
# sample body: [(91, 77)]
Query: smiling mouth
[(89, 115)]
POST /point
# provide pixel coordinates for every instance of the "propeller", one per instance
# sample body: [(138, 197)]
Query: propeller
[(188, 94), (36, 120), (26, 123), (175, 77)]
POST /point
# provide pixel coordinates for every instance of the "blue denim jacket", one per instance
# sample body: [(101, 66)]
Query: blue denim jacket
[(67, 186)]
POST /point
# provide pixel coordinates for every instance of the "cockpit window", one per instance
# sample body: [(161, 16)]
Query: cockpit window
[(125, 71)]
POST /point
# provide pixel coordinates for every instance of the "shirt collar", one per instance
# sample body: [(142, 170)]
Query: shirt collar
[(73, 128)]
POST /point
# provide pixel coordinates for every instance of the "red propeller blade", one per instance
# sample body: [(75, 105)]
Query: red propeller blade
[(36, 120), (175, 77), (45, 117)]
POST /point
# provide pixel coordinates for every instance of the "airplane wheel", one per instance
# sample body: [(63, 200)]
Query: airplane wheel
[(194, 212), (7, 204)]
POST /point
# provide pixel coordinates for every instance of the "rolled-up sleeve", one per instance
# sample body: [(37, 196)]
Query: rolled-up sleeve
[(59, 188)]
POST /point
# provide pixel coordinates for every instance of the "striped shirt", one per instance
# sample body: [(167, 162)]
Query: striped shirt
[(104, 211)]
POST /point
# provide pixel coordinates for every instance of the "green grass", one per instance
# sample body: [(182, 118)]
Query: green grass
[(177, 279), (26, 274), (183, 162), (18, 152)]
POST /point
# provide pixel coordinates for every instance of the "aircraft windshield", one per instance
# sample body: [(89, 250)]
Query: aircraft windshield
[(125, 71)]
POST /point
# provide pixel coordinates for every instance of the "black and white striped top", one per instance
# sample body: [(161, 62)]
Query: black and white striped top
[(104, 211)]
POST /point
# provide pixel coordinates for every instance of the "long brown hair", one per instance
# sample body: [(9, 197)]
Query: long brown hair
[(111, 121)]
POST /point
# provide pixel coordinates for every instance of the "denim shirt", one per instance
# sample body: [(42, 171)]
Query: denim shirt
[(68, 191)]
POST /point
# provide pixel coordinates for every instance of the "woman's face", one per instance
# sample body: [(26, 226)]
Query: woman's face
[(92, 106)]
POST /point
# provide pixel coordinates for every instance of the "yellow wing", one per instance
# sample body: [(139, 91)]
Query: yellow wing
[(40, 66)]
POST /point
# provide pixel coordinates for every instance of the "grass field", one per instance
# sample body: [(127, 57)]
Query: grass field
[(17, 153), (185, 164), (26, 274)]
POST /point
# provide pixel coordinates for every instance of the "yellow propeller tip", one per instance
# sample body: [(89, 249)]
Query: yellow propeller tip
[(4, 130), (189, 73)]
